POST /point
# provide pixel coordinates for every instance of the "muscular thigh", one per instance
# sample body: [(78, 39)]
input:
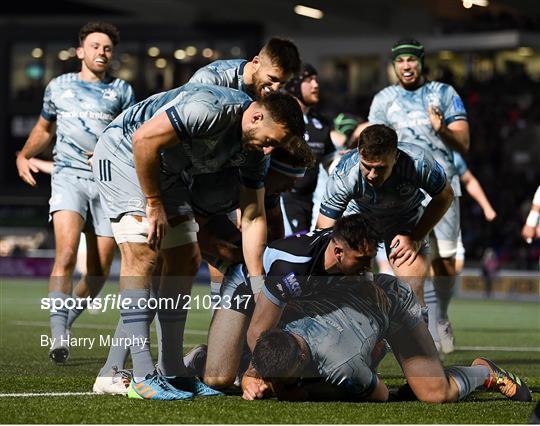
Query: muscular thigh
[(225, 342)]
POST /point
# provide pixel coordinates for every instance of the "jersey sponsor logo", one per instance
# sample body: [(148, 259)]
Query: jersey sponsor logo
[(135, 203), (67, 94), (96, 115), (292, 284), (110, 94)]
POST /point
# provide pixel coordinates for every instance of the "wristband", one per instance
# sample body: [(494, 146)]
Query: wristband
[(256, 283), (532, 219)]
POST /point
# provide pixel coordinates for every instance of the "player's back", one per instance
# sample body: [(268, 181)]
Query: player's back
[(223, 72)]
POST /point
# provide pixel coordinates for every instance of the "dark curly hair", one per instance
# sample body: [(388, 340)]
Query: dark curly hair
[(99, 27)]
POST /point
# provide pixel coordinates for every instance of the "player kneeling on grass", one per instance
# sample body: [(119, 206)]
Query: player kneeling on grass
[(324, 351)]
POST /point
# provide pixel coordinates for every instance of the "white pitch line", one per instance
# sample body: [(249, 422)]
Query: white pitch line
[(498, 348), (92, 326), (27, 395)]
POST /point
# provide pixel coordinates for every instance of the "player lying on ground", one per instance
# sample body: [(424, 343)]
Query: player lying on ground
[(324, 350)]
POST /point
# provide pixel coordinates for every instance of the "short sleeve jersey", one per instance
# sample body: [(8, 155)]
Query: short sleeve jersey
[(207, 120), (294, 267), (406, 111), (341, 316), (82, 110), (393, 208)]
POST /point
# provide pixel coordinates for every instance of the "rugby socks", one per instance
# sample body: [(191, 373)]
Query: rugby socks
[(118, 351), (74, 313), (172, 322), (431, 302), (58, 316), (136, 318), (467, 378), (444, 288)]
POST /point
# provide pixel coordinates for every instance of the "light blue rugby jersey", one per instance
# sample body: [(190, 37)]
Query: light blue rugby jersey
[(393, 208), (207, 120), (406, 111), (341, 317), (460, 164), (82, 110), (226, 73)]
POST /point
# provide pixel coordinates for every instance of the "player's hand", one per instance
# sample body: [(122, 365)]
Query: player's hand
[(254, 388), (404, 250), (529, 233), (157, 222), (490, 215), (436, 117), (90, 156), (25, 169)]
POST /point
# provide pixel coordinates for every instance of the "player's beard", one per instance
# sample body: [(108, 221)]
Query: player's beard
[(247, 140)]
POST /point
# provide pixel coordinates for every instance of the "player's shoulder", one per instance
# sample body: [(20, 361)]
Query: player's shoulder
[(218, 95), (388, 93), (120, 84), (439, 87), (318, 119), (411, 150), (394, 287), (64, 79), (223, 64), (348, 161)]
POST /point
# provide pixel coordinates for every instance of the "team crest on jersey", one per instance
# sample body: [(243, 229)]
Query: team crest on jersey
[(110, 94), (405, 189), (292, 284), (68, 94), (306, 136), (316, 123)]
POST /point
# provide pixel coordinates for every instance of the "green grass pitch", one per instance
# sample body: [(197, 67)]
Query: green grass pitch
[(508, 332)]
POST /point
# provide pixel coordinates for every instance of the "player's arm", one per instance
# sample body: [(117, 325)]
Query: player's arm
[(406, 247), (149, 140), (456, 136), (450, 121), (39, 139), (44, 166), (253, 229), (337, 195), (274, 220), (476, 191), (531, 229), (324, 222), (265, 316)]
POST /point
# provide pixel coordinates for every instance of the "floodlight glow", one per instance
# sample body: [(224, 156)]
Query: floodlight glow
[(309, 12)]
